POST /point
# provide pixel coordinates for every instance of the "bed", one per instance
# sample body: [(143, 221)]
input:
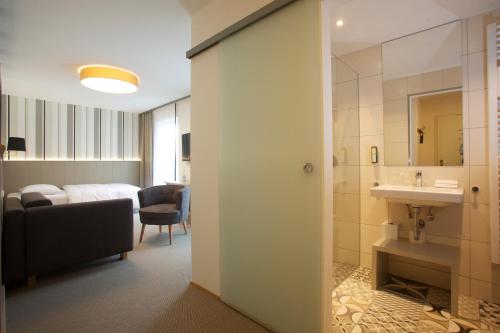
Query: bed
[(82, 192)]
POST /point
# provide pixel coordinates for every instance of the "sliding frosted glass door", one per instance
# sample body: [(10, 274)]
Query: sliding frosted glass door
[(271, 208)]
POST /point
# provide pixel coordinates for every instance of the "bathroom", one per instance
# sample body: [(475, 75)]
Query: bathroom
[(411, 108)]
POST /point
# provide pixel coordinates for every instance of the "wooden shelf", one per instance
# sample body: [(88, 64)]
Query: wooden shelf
[(434, 253), (444, 255)]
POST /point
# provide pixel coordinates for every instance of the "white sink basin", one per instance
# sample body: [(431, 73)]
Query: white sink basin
[(423, 196)]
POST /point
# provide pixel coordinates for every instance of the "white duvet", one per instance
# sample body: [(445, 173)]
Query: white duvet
[(95, 192)]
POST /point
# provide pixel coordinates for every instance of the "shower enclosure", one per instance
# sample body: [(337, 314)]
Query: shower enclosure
[(346, 170)]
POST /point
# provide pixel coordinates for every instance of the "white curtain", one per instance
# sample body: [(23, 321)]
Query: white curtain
[(164, 150), (146, 148)]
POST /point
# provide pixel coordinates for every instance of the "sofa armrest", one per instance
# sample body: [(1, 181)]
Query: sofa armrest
[(13, 240), (34, 199), (63, 235)]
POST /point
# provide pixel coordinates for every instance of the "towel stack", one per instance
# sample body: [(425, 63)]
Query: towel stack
[(446, 183)]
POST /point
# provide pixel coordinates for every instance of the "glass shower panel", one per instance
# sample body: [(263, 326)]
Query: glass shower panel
[(346, 169)]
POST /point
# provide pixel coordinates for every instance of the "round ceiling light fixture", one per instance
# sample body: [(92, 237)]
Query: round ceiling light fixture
[(109, 79), (339, 23)]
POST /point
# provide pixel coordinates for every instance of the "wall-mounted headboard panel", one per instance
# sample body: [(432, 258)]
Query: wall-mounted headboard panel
[(21, 173)]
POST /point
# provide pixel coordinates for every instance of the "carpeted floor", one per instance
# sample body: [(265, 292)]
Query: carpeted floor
[(149, 292)]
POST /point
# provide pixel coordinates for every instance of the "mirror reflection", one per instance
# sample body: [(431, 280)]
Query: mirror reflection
[(422, 83)]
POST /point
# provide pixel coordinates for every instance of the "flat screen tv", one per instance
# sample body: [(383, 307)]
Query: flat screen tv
[(186, 147)]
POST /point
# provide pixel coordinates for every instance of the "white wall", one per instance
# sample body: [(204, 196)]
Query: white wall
[(205, 171), (220, 14)]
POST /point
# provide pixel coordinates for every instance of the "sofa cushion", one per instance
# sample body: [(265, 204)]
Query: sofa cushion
[(34, 199), (160, 214)]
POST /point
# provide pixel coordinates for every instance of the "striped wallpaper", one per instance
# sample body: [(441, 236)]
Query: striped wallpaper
[(59, 131)]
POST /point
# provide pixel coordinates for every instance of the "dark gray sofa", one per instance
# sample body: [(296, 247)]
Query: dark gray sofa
[(40, 238)]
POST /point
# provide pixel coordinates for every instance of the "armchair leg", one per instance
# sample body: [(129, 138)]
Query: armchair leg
[(170, 233), (124, 256), (142, 232), (31, 281), (184, 226)]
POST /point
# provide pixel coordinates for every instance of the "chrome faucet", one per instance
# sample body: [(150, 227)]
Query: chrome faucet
[(418, 178)]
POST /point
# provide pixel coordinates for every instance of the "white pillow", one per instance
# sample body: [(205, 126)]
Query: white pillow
[(45, 189)]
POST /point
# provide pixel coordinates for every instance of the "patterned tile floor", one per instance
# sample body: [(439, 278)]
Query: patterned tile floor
[(403, 306)]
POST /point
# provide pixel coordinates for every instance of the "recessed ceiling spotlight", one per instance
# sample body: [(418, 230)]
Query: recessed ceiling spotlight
[(339, 23), (108, 79)]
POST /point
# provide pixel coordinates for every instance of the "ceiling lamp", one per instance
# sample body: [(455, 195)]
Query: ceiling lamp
[(339, 23), (108, 79)]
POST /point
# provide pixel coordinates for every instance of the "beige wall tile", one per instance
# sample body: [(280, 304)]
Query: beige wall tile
[(425, 82), (342, 72), (345, 95), (464, 266), (346, 151), (466, 220), (395, 110), (449, 221), (480, 289), (475, 34), (480, 263), (366, 142), (479, 177), (464, 285), (398, 153), (346, 123), (465, 73), (395, 89), (406, 175), (371, 120), (478, 151), (396, 132), (346, 235), (452, 78), (495, 293), (346, 179), (465, 108), (480, 223), (366, 260), (373, 210), (477, 108), (369, 235), (346, 207), (366, 62), (346, 256), (370, 175), (370, 91), (477, 77)]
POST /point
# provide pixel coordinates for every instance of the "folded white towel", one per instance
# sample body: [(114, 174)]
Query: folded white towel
[(450, 182), (441, 185)]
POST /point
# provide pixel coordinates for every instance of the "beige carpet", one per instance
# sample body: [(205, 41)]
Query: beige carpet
[(149, 292)]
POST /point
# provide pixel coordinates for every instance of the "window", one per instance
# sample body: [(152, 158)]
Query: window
[(164, 145)]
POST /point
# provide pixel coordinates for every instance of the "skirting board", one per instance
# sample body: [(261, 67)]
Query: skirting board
[(17, 174)]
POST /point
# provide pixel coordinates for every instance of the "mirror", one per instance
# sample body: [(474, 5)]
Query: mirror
[(422, 84)]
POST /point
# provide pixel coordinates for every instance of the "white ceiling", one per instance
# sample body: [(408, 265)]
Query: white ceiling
[(44, 42), (371, 22)]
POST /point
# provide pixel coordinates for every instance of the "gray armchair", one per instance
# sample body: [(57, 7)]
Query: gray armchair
[(164, 205)]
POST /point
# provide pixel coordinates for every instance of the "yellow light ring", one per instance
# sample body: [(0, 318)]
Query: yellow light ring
[(109, 73)]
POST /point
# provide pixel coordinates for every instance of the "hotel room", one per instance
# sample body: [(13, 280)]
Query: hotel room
[(295, 166)]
